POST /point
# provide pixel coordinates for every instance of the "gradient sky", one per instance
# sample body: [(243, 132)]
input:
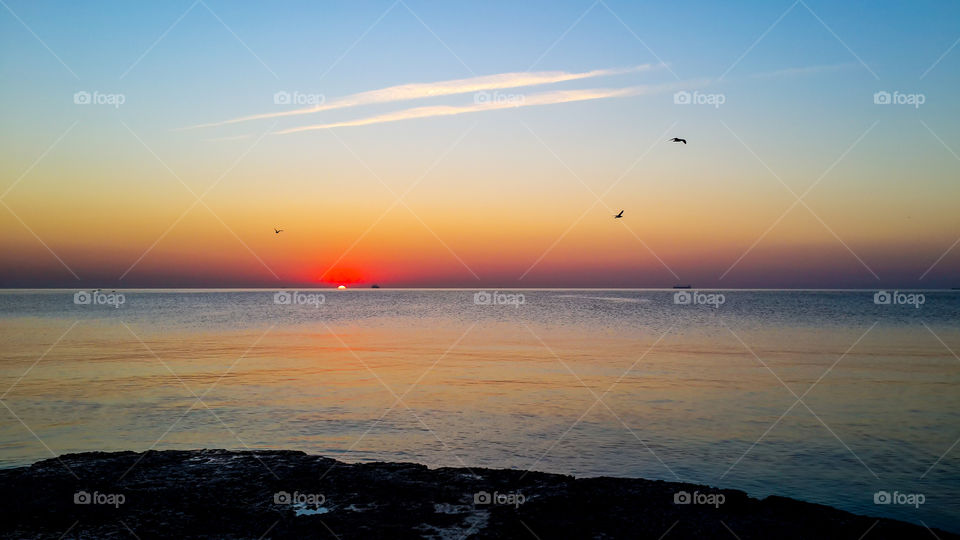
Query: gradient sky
[(511, 187)]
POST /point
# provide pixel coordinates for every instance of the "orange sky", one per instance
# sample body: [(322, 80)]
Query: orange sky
[(511, 155)]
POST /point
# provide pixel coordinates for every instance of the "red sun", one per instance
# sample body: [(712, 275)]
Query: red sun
[(342, 276)]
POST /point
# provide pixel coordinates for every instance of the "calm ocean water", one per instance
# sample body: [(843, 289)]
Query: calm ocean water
[(702, 391)]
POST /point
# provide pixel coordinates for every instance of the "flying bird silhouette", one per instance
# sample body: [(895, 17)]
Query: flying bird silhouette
[(677, 139), (277, 231), (618, 216)]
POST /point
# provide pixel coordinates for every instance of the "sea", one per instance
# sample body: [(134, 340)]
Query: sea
[(844, 398)]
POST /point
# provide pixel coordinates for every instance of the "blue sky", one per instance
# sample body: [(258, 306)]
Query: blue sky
[(797, 80)]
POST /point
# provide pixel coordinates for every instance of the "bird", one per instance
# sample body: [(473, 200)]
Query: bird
[(677, 139), (277, 231), (618, 216)]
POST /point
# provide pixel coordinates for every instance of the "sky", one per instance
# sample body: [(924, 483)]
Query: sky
[(482, 144)]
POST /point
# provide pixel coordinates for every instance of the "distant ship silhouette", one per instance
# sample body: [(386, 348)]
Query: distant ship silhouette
[(681, 286)]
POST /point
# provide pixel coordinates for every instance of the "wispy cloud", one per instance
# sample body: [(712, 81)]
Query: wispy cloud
[(800, 71), (406, 92), (543, 98)]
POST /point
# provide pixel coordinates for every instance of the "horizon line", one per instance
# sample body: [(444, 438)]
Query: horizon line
[(495, 288)]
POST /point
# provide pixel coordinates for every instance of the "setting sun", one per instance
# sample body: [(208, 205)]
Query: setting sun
[(701, 208)]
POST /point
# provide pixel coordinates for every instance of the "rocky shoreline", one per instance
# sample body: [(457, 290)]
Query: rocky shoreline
[(288, 494)]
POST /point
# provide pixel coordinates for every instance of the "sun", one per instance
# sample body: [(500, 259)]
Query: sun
[(342, 287)]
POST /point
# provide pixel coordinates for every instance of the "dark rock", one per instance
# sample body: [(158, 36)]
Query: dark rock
[(287, 494)]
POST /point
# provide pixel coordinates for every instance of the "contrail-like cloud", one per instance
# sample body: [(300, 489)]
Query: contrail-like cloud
[(406, 92), (510, 102)]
